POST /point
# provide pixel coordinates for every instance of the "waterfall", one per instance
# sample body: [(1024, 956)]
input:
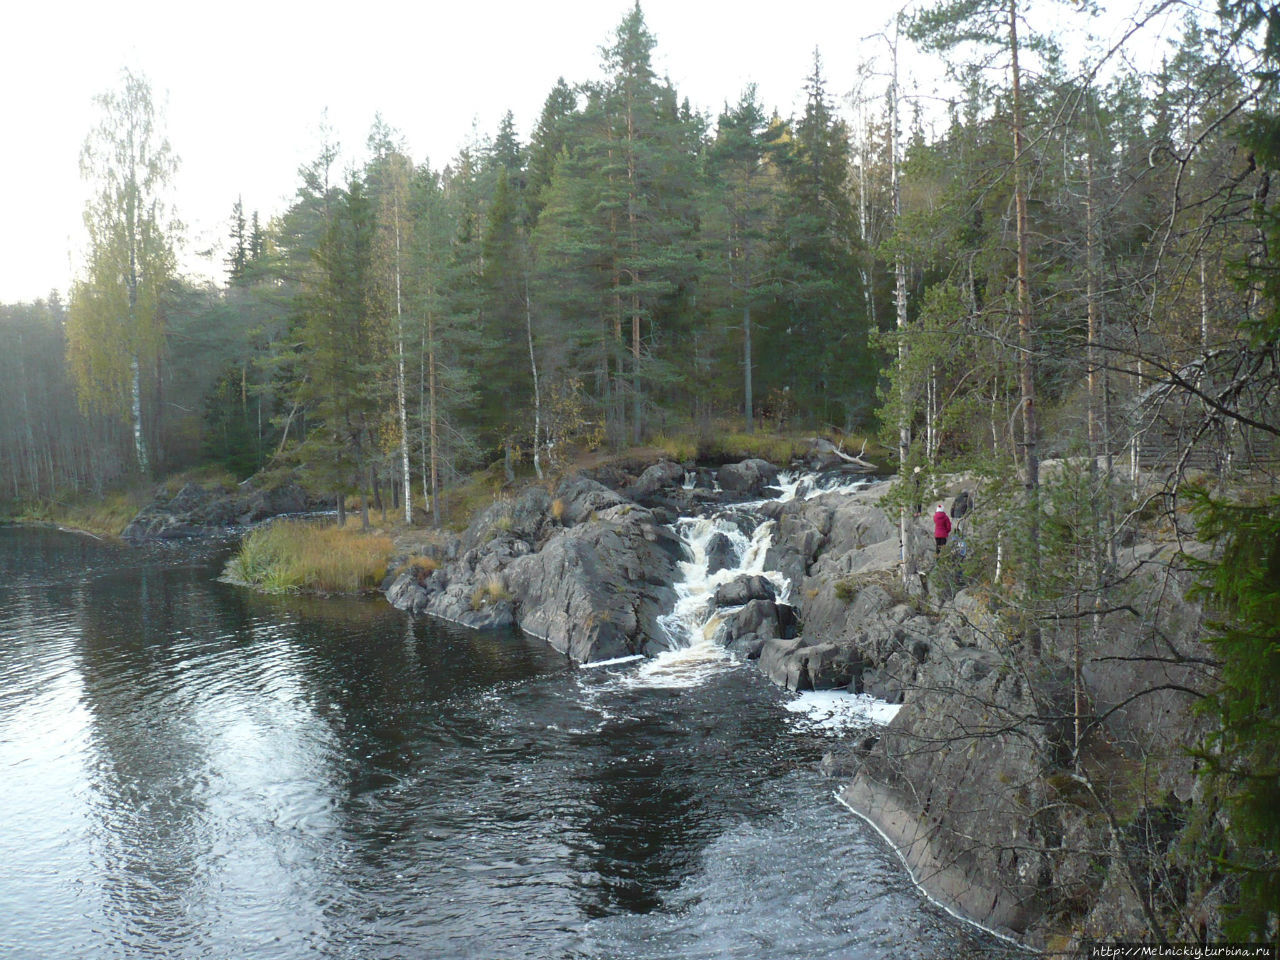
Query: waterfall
[(692, 621), (692, 626), (806, 486)]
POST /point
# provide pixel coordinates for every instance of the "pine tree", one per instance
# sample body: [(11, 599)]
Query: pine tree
[(334, 368), (648, 195), (238, 258), (549, 142), (505, 371), (944, 27)]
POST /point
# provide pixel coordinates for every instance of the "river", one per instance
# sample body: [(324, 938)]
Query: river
[(192, 770)]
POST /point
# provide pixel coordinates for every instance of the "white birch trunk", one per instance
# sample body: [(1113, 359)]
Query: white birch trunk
[(907, 555), (139, 437), (406, 474), (533, 369)]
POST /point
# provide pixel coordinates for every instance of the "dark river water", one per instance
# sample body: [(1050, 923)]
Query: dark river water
[(191, 770)]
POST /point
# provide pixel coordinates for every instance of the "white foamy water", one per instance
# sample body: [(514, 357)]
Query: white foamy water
[(836, 711), (694, 623), (805, 486)]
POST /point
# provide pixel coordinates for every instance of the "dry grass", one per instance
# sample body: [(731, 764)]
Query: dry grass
[(294, 555), (104, 516), (491, 591), (420, 567)]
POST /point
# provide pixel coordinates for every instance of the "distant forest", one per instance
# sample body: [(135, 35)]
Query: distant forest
[(1018, 281)]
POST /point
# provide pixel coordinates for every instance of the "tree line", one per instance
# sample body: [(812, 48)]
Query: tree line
[(635, 269), (626, 272)]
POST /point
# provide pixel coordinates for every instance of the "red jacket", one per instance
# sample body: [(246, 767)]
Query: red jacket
[(941, 524)]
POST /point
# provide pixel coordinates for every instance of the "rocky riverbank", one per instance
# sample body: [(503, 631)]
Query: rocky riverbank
[(972, 780), (198, 510), (979, 779)]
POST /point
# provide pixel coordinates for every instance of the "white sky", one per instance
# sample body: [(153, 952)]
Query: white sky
[(245, 87)]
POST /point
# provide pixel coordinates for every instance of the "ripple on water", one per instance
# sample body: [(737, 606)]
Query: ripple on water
[(193, 771)]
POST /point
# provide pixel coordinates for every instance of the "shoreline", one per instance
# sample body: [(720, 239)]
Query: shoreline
[(897, 828), (61, 528)]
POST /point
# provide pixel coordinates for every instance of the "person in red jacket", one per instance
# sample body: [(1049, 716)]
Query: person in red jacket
[(941, 530)]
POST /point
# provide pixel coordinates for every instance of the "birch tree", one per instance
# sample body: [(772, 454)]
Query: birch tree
[(115, 327), (390, 175)]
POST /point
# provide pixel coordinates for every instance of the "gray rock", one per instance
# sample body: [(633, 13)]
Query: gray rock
[(196, 511), (800, 666), (743, 590), (587, 570), (758, 618), (581, 497), (595, 591), (747, 647), (662, 475), (778, 662), (748, 478), (721, 554)]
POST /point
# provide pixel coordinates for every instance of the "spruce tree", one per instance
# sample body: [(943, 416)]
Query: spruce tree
[(819, 341), (739, 236)]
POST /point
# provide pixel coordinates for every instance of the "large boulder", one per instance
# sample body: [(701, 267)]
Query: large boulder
[(579, 499), (799, 534), (662, 476), (743, 590), (721, 554), (584, 568), (748, 478), (799, 665), (595, 591), (758, 618), (525, 518)]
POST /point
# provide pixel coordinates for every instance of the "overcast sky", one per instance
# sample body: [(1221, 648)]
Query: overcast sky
[(245, 87)]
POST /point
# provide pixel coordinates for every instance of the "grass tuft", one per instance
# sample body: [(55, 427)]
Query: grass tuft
[(491, 591), (294, 555), (679, 449), (419, 567)]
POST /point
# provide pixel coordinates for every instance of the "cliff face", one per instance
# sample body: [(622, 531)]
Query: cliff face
[(1003, 804)]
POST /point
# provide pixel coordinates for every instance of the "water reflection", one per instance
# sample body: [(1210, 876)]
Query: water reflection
[(192, 770)]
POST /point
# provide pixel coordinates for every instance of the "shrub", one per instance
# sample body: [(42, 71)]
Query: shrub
[(848, 588)]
